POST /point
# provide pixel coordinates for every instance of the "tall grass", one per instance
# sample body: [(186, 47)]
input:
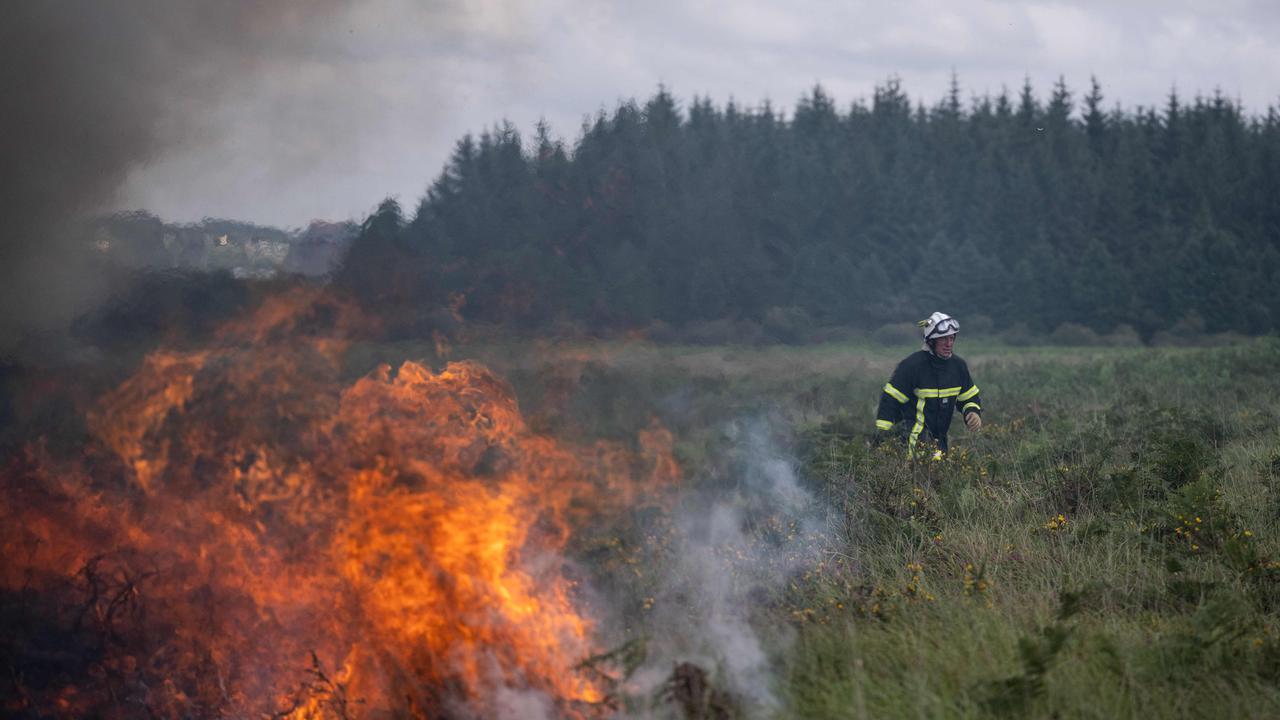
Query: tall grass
[(1102, 549)]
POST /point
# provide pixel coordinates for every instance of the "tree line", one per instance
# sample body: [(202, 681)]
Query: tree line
[(1029, 211)]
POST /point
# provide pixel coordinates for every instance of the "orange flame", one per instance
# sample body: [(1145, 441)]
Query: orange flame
[(247, 536)]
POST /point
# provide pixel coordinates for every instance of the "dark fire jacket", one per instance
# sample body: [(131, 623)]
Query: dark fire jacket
[(926, 391)]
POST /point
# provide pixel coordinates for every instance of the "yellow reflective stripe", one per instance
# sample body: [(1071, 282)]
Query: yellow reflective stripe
[(975, 406), (968, 393), (884, 424), (894, 392), (915, 430), (937, 392)]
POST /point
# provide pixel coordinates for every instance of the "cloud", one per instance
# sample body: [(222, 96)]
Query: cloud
[(333, 121)]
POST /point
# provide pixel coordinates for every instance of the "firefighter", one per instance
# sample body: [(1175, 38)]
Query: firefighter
[(928, 387)]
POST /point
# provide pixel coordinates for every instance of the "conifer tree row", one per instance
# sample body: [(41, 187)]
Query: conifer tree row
[(1019, 208)]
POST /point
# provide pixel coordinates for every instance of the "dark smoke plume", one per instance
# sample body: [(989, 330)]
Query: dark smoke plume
[(90, 88)]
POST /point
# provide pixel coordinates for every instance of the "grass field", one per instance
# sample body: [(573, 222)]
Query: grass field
[(1102, 549), (1107, 546)]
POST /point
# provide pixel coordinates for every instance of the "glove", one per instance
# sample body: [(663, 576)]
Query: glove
[(973, 421)]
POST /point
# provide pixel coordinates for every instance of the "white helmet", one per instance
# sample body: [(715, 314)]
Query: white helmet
[(938, 325)]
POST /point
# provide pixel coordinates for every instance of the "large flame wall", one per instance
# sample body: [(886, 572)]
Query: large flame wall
[(245, 535)]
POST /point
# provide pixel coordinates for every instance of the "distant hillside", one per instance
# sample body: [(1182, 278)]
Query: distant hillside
[(139, 239)]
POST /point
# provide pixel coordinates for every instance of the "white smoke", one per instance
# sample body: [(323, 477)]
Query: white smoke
[(732, 553), (512, 704)]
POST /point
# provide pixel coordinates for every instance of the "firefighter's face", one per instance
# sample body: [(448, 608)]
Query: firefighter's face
[(942, 346)]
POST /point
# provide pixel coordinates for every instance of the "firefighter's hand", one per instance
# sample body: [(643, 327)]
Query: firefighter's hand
[(973, 421)]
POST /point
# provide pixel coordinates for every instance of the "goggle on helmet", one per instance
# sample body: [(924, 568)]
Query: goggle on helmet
[(938, 325)]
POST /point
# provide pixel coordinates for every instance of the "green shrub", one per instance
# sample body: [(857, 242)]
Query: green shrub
[(1075, 335), (790, 325), (1123, 335), (897, 334)]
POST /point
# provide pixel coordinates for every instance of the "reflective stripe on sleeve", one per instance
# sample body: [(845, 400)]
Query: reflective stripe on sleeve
[(895, 393), (968, 393), (915, 429), (884, 425), (970, 406)]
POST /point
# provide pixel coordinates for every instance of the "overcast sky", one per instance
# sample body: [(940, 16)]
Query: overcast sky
[(328, 118)]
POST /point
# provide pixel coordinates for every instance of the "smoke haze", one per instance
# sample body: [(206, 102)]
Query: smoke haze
[(723, 569), (92, 89)]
